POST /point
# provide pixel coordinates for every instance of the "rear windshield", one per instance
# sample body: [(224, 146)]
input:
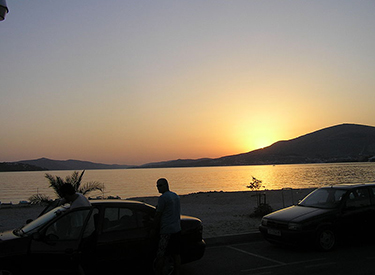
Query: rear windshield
[(324, 198)]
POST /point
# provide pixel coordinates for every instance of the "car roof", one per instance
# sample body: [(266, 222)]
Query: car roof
[(350, 185), (117, 202)]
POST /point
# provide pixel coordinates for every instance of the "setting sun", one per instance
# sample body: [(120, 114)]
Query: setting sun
[(259, 134), (262, 143)]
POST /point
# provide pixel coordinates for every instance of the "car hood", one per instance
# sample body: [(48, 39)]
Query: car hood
[(296, 213)]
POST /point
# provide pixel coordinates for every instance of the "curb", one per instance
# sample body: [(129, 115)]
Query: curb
[(232, 239)]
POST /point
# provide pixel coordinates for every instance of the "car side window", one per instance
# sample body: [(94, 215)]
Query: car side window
[(68, 227), (358, 198), (117, 218)]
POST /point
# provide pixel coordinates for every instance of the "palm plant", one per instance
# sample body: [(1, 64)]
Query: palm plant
[(75, 180)]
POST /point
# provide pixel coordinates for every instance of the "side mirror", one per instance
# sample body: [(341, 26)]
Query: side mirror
[(3, 9)]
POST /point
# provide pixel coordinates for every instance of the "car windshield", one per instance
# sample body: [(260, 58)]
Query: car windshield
[(324, 198), (30, 227)]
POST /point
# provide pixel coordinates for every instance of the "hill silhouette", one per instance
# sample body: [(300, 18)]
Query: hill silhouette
[(340, 143), (17, 167), (50, 164)]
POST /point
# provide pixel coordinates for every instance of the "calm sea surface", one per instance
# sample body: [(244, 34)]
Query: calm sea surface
[(17, 186)]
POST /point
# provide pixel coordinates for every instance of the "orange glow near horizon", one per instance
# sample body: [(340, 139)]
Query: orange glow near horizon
[(262, 143), (261, 133)]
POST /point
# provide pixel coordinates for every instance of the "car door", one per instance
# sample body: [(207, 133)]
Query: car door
[(357, 212), (126, 238), (57, 248), (372, 211)]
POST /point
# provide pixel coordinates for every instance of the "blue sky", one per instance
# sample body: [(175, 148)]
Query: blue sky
[(131, 82)]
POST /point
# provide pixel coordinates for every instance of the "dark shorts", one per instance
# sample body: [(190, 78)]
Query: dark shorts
[(169, 244)]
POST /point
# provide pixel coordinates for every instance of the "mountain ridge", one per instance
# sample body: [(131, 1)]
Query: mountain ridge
[(70, 164), (339, 143)]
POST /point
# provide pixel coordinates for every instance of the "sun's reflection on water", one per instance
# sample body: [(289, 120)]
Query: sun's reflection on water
[(16, 186)]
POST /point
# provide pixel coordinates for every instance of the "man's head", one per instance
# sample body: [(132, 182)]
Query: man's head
[(162, 185), (67, 191)]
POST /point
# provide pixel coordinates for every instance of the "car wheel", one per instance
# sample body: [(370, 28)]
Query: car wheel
[(167, 268), (325, 239)]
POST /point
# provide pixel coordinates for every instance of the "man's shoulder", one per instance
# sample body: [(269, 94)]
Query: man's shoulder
[(82, 200), (170, 194), (81, 196)]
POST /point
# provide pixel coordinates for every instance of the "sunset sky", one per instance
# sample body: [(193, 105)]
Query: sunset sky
[(133, 81)]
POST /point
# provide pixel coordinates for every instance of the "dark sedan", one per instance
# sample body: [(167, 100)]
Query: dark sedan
[(108, 237), (324, 217)]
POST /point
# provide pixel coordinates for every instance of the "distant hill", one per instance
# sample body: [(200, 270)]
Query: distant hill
[(50, 164), (340, 143), (17, 167)]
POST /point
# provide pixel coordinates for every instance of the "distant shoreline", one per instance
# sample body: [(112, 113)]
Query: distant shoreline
[(12, 166)]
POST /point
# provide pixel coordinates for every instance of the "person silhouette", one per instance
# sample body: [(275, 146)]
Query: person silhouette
[(168, 219)]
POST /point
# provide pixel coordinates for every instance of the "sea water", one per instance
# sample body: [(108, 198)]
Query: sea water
[(127, 183)]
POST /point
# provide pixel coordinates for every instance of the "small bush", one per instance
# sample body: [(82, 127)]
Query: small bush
[(261, 210)]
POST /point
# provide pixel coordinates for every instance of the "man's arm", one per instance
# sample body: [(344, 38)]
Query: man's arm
[(157, 217), (159, 212)]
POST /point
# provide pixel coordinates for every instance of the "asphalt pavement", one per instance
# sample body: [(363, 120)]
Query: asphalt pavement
[(250, 254)]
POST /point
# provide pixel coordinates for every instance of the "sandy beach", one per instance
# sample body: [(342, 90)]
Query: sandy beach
[(222, 213)]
